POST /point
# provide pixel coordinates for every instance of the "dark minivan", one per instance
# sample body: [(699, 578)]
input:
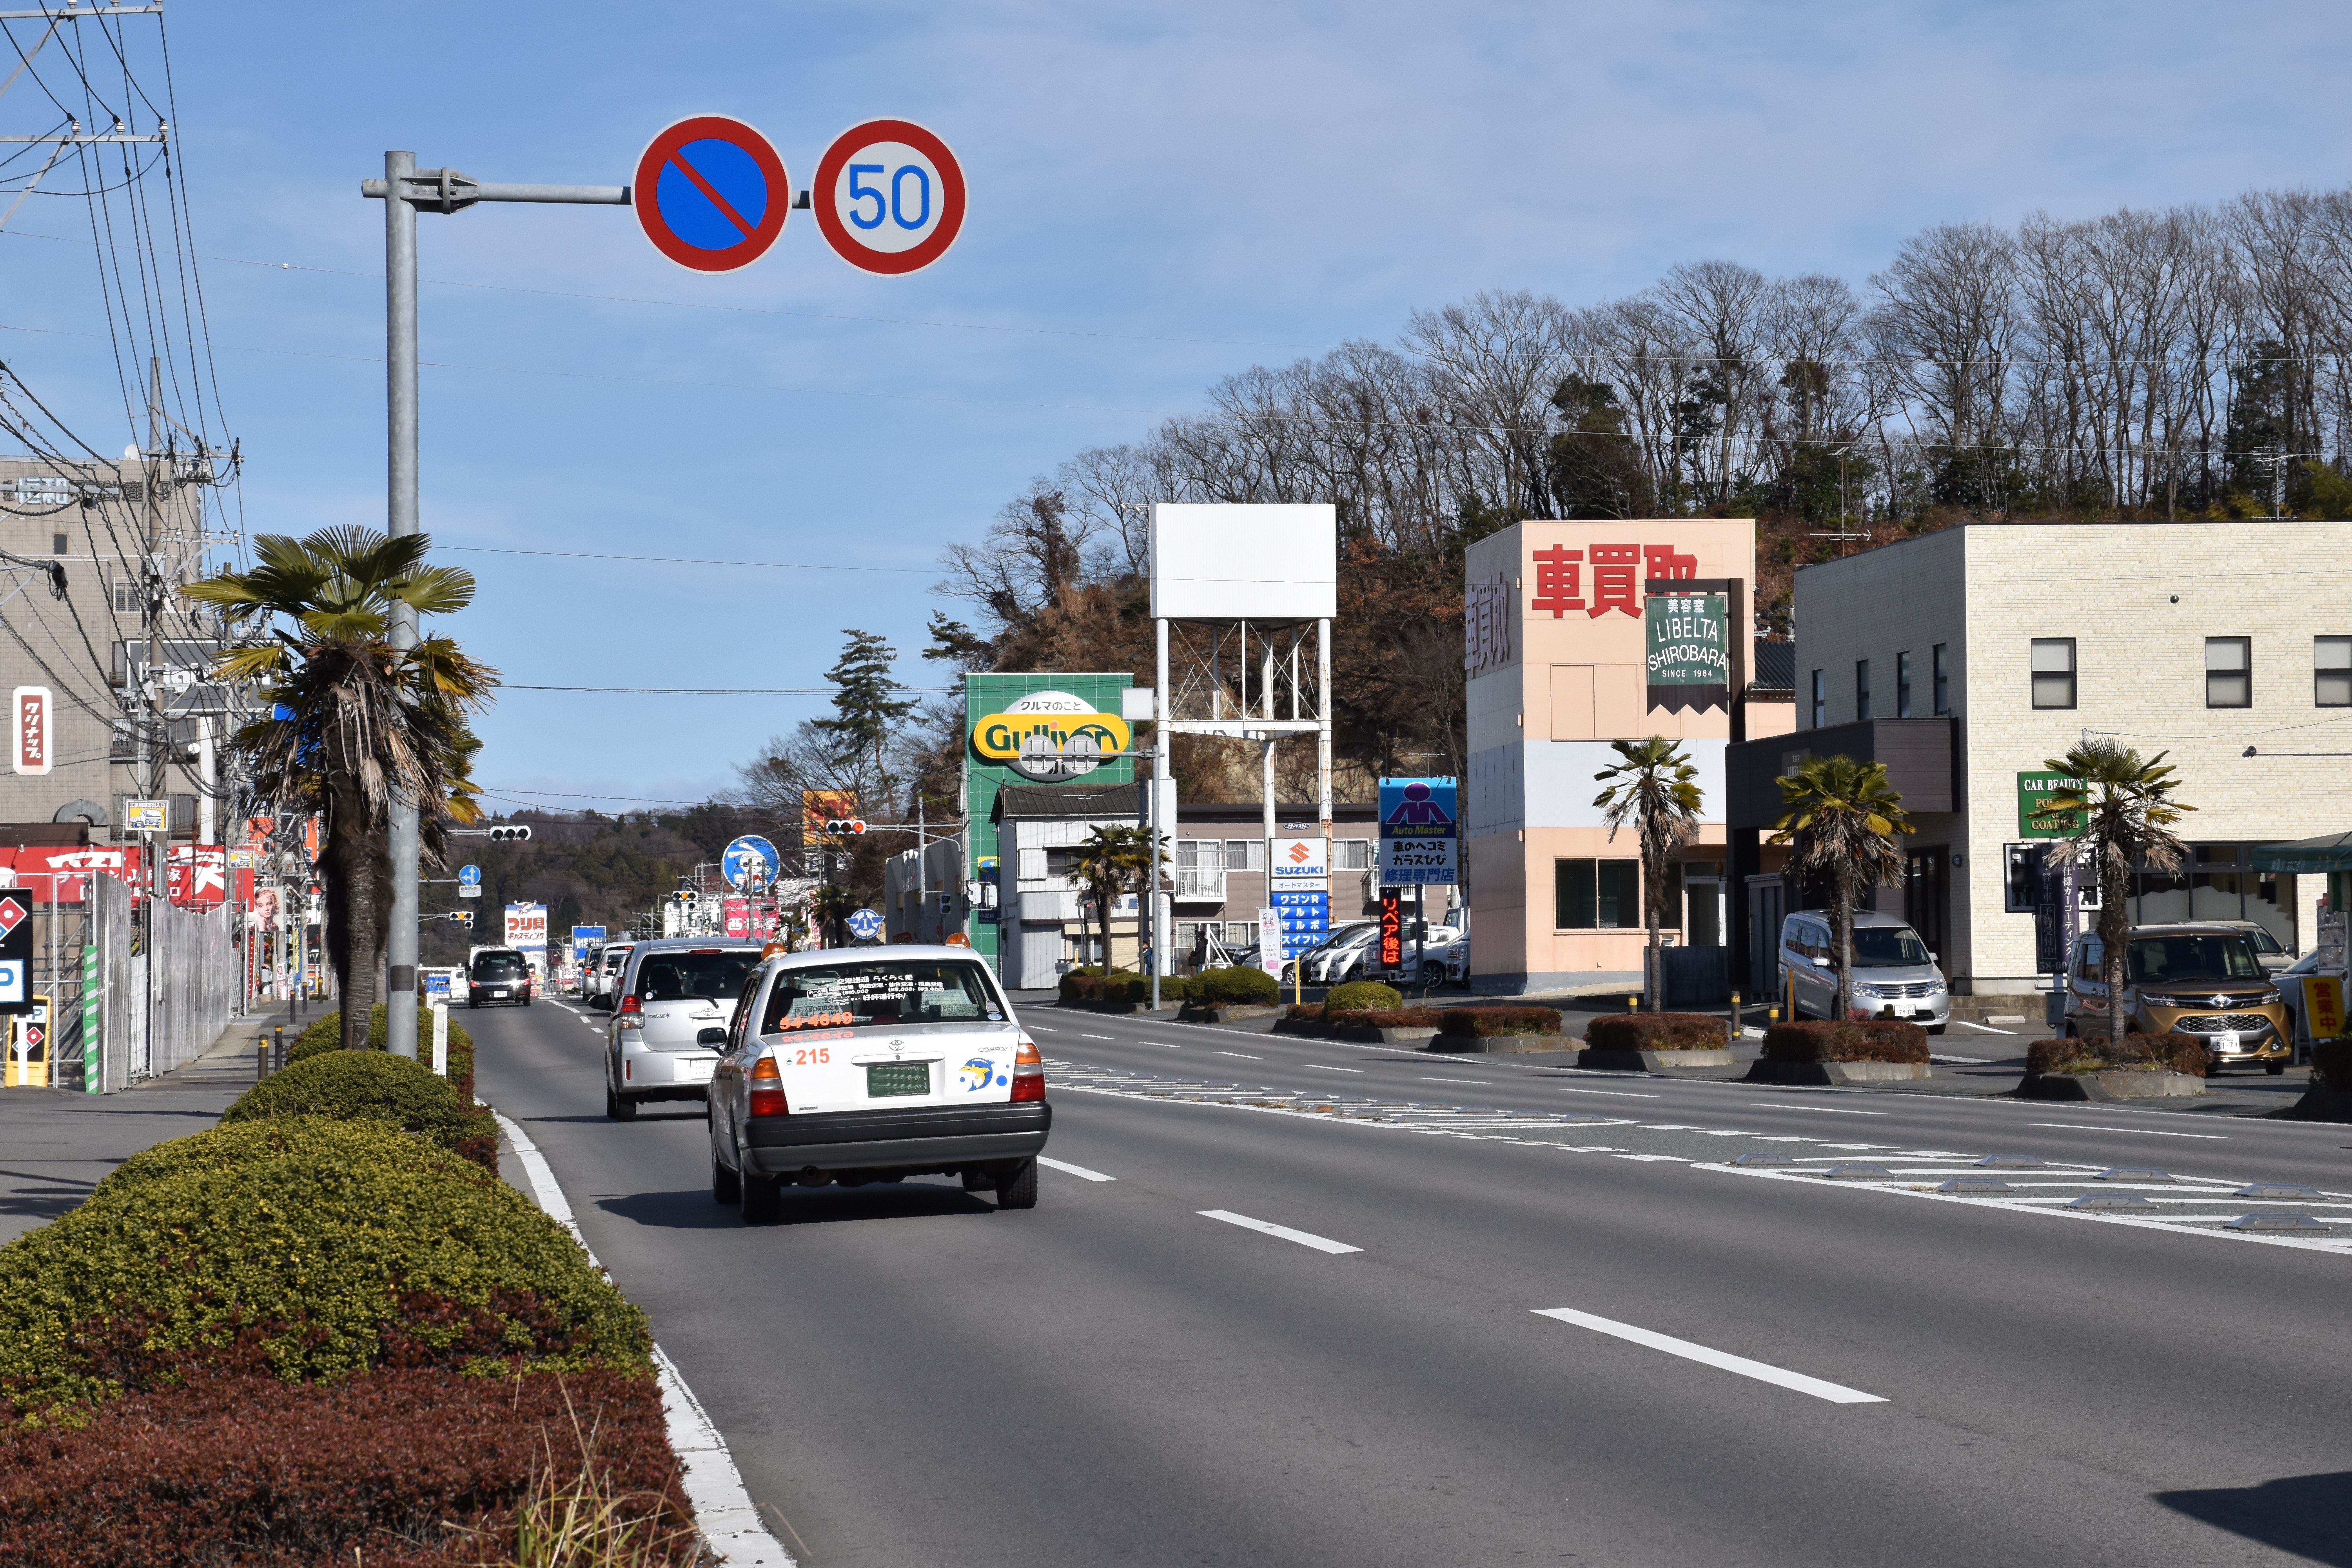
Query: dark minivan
[(498, 975)]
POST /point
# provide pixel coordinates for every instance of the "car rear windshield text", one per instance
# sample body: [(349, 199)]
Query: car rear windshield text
[(879, 992), (713, 975)]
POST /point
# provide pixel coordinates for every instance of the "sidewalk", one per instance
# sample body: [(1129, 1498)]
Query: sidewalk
[(59, 1144)]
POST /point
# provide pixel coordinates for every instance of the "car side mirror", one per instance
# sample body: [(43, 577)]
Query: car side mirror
[(1935, 958), (710, 1038), (1821, 963)]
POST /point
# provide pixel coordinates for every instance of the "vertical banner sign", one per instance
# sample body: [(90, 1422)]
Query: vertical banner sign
[(32, 721), (1689, 650), (2323, 1005), (1419, 833), (1392, 929), (93, 1062), (1269, 941), (16, 950), (735, 915), (527, 928)]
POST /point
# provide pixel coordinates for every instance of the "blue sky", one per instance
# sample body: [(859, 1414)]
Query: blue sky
[(1161, 195)]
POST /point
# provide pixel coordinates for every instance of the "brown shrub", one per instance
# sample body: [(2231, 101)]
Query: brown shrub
[(1483, 1023), (247, 1469), (2331, 1063), (1303, 1013), (1861, 1040), (1655, 1032), (1390, 1018), (2145, 1053)]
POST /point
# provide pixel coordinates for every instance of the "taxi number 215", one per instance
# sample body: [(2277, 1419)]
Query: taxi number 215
[(811, 1056)]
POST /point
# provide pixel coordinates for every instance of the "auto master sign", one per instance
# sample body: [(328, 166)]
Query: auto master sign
[(1038, 729)]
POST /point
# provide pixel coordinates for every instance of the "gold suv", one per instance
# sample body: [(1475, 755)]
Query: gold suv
[(2192, 979)]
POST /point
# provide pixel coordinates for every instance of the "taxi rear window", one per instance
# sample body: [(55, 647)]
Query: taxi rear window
[(879, 992)]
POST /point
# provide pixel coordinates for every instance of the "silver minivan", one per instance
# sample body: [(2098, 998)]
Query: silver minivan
[(672, 1005), (1892, 969)]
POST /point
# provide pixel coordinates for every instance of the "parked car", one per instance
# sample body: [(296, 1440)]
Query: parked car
[(2269, 952), (1892, 969), (875, 1065), (2288, 982), (667, 1029), (1317, 961), (2199, 978), (498, 975)]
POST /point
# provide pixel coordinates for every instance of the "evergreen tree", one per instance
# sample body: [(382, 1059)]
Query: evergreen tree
[(866, 705)]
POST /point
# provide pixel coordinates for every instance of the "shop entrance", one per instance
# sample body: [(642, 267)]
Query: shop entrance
[(1927, 894)]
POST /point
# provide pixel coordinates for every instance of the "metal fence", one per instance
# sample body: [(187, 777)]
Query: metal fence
[(155, 989)]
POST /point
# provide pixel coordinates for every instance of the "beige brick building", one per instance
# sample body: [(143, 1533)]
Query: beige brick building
[(1969, 657)]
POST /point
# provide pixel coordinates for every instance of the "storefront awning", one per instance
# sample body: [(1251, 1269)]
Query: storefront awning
[(2330, 852)]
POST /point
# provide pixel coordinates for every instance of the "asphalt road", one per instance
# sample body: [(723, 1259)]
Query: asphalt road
[(1749, 1365)]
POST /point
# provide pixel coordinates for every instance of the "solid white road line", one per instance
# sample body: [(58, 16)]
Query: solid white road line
[(1078, 1170), (714, 1488), (1319, 1243), (1244, 1054), (1837, 1393), (2143, 1131)]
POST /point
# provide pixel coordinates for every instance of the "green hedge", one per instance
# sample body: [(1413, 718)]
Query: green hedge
[(1858, 1040), (308, 1249), (1484, 1022), (2138, 1053), (326, 1035), (1363, 997), (1094, 985), (372, 1086), (1655, 1032), (1233, 987)]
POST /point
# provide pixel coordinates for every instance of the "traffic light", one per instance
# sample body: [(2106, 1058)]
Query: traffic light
[(844, 826), (503, 835)]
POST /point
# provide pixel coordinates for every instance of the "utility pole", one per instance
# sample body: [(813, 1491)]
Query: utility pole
[(404, 189)]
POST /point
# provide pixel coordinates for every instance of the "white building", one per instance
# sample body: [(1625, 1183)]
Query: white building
[(1968, 658)]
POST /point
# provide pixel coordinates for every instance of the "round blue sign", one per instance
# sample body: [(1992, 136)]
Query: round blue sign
[(712, 194), (469, 876), (866, 925), (748, 857)]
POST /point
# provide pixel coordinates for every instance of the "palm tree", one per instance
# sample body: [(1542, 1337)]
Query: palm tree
[(1657, 789), (1111, 860), (1841, 819), (355, 720), (2122, 808)]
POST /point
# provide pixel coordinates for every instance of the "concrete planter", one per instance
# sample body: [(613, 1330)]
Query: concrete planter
[(2112, 1085), (1193, 1013), (1375, 1035), (1306, 1028), (1500, 1045), (1835, 1073), (1654, 1061)]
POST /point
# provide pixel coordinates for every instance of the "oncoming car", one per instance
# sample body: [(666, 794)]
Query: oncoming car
[(874, 1064), (498, 975), (668, 1018)]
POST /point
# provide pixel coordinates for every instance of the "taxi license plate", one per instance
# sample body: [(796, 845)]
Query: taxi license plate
[(884, 1080), (2227, 1040)]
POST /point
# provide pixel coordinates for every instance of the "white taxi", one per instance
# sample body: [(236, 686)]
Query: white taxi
[(865, 1065)]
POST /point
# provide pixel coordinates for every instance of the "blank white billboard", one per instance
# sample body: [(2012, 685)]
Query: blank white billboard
[(1244, 563)]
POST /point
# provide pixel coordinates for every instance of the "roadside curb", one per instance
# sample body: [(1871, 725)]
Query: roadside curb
[(723, 1510)]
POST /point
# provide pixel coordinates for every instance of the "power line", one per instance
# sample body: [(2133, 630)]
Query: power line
[(679, 560), (718, 690)]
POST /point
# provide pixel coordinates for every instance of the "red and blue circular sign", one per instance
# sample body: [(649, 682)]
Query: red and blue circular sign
[(712, 194), (890, 196)]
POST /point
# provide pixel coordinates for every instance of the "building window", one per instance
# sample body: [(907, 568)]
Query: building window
[(1062, 862), (1821, 700), (2054, 672), (1861, 688), (1596, 895), (2229, 672), (126, 598), (1240, 934), (1943, 678), (1351, 855), (2331, 672), (1903, 686), (57, 544), (1244, 854)]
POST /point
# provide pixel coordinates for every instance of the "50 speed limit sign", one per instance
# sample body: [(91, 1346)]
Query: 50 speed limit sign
[(888, 196)]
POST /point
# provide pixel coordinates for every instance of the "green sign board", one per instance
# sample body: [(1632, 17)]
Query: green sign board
[(1689, 638), (2035, 818), (1025, 730)]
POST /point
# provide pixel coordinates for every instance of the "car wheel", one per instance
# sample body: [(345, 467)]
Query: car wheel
[(1935, 1029), (620, 1108), (977, 1181), (2276, 1069), (726, 1185), (1019, 1190), (762, 1198), (1433, 975), (526, 1000)]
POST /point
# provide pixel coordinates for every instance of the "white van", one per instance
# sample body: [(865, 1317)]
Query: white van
[(1892, 969)]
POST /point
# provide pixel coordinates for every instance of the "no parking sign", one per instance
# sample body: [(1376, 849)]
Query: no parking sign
[(712, 194)]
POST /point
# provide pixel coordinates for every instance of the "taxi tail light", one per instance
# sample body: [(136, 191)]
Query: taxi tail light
[(768, 1089), (1028, 1072)]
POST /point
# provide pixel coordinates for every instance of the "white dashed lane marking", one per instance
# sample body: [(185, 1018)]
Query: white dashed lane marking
[(1837, 1393), (2143, 1131), (1322, 1067), (1303, 1238), (1242, 1054), (1078, 1170)]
